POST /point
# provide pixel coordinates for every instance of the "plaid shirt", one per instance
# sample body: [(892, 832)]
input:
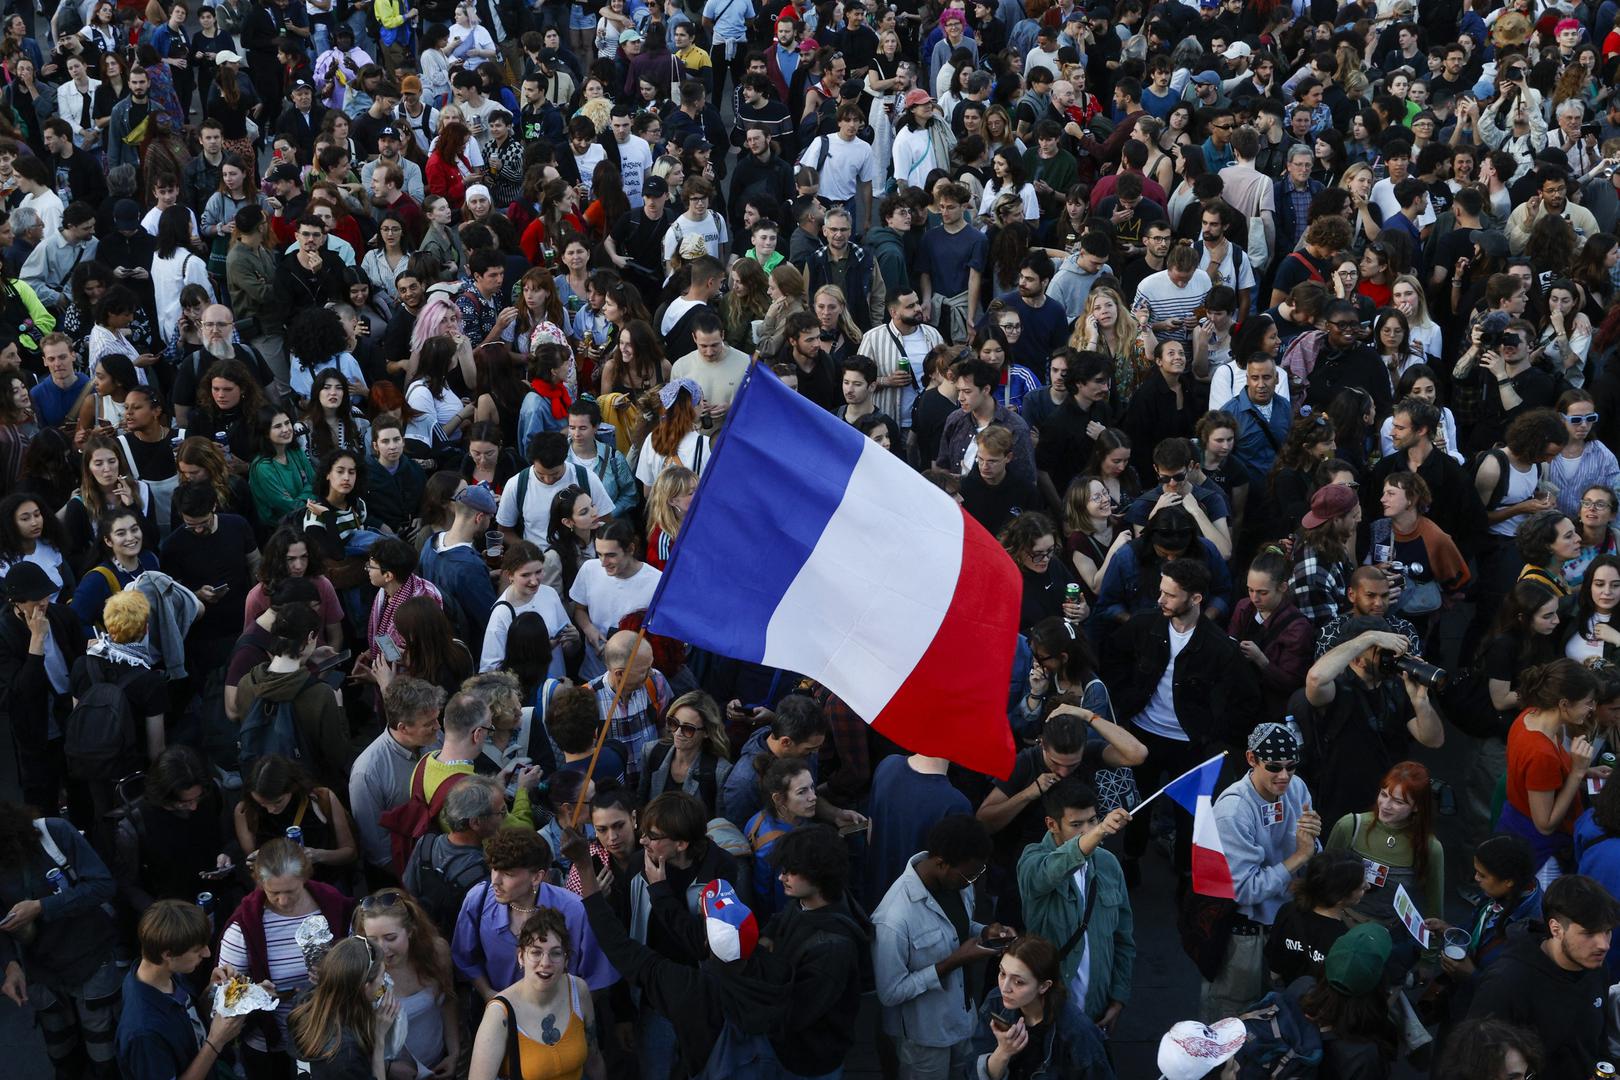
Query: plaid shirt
[(849, 735), (636, 723), (1319, 587)]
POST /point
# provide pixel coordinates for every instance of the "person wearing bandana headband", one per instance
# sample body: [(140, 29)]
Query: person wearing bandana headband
[(1268, 832)]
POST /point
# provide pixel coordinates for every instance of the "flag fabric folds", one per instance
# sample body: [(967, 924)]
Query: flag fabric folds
[(1194, 791), (810, 548)]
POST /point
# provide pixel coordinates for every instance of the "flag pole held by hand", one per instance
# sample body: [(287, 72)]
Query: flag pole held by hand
[(1166, 787)]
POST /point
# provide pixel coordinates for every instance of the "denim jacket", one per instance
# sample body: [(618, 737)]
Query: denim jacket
[(914, 934)]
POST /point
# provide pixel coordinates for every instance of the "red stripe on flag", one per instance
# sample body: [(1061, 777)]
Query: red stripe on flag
[(1210, 873), (954, 702)]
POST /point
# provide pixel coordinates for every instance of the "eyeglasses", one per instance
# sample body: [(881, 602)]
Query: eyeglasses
[(1589, 418), (387, 898), (1341, 324), (1223, 127), (1596, 504), (1280, 766), (652, 836), (687, 729), (1043, 554), (1174, 478)]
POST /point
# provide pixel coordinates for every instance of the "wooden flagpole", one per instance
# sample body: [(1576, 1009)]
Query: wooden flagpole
[(607, 722)]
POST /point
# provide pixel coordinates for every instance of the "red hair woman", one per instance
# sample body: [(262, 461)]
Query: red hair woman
[(1396, 842)]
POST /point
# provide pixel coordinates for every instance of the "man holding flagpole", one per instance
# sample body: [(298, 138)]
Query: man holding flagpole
[(1267, 832)]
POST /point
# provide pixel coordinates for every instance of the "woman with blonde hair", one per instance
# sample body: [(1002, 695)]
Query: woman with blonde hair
[(417, 959), (341, 1029), (1107, 326), (999, 130), (831, 308), (667, 504), (1366, 220), (693, 756), (785, 288), (674, 438), (1427, 338)]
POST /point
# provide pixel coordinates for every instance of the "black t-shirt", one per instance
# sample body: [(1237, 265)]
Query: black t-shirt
[(640, 240), (146, 689), (928, 416), (1295, 268), (152, 460), (993, 507), (1030, 824), (1361, 732), (1299, 942), (218, 558), (363, 130)]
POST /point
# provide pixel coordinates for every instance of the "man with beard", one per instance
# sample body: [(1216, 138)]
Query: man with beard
[(219, 342), (395, 346), (1556, 985), (1045, 323), (1362, 715), (899, 347)]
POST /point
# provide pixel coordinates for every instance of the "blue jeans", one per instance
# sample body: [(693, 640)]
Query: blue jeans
[(655, 1045)]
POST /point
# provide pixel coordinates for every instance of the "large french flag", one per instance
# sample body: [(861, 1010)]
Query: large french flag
[(1194, 790), (810, 548)]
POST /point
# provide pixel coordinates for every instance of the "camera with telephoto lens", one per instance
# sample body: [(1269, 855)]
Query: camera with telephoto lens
[(1492, 328), (1430, 675)]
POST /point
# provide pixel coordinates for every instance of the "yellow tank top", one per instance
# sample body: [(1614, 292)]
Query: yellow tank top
[(560, 1060)]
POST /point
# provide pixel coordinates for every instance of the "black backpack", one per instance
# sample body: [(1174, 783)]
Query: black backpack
[(271, 727), (100, 741), (441, 893)]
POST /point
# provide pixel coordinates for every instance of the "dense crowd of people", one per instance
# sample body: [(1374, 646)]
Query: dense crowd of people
[(360, 363)]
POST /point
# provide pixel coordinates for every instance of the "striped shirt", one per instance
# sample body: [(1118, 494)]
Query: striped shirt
[(1167, 303), (287, 968)]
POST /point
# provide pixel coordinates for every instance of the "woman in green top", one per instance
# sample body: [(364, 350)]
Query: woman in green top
[(1396, 843), (281, 477)]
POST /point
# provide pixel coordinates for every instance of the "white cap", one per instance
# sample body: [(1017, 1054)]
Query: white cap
[(225, 56), (1190, 1050), (1238, 49)]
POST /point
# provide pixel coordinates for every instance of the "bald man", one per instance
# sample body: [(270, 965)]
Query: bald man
[(219, 342), (645, 698)]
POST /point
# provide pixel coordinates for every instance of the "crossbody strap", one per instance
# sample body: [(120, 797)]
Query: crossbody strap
[(1085, 919)]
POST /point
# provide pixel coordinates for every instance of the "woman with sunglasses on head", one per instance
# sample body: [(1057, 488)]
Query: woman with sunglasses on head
[(344, 1028), (417, 961), (1584, 461), (1065, 665)]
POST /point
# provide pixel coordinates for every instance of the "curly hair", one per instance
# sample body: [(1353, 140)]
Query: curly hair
[(125, 616), (1019, 536), (573, 719), (517, 849), (1537, 534)]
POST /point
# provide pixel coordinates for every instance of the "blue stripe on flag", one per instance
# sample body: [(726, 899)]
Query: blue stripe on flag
[(776, 479), (1199, 780)]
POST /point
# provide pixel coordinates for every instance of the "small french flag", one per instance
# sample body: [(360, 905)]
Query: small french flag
[(1194, 790)]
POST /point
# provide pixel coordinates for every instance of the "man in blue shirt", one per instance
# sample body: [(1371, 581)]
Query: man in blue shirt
[(160, 1034), (55, 397)]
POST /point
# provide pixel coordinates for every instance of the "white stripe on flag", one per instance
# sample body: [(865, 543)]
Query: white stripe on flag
[(871, 596)]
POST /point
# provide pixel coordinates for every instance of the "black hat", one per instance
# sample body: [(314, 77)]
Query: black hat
[(126, 215), (654, 187), (695, 141), (284, 171), (27, 582), (301, 84), (388, 131)]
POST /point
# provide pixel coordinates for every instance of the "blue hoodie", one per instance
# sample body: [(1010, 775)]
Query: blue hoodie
[(463, 581)]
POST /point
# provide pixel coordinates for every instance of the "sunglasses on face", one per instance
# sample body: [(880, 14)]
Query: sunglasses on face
[(1589, 418), (1280, 766)]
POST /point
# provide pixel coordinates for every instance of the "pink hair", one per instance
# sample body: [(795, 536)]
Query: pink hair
[(952, 13), (433, 320)]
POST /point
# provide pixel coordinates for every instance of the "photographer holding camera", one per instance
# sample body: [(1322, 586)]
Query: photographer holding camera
[(1367, 684)]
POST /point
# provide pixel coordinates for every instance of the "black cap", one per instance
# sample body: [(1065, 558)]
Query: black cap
[(695, 141), (388, 131), (126, 215), (284, 171), (654, 187), (301, 84), (28, 582)]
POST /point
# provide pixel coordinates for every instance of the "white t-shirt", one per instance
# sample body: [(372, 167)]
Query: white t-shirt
[(1159, 717), (433, 410), (649, 464), (848, 164), (635, 161), (1082, 974), (587, 163), (610, 599), (712, 227), (1383, 196), (48, 205), (301, 378), (534, 516), (545, 603), (150, 222), (481, 40)]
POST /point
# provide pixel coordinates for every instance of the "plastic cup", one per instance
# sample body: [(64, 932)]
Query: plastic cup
[(1456, 941)]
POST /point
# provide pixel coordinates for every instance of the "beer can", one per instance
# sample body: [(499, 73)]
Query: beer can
[(56, 880), (1071, 593), (205, 900), (296, 835)]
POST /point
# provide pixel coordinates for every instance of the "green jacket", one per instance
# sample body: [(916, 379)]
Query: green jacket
[(1053, 907)]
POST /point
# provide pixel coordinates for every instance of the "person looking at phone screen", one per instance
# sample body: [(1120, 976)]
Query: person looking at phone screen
[(1030, 1023), (216, 556), (175, 840)]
